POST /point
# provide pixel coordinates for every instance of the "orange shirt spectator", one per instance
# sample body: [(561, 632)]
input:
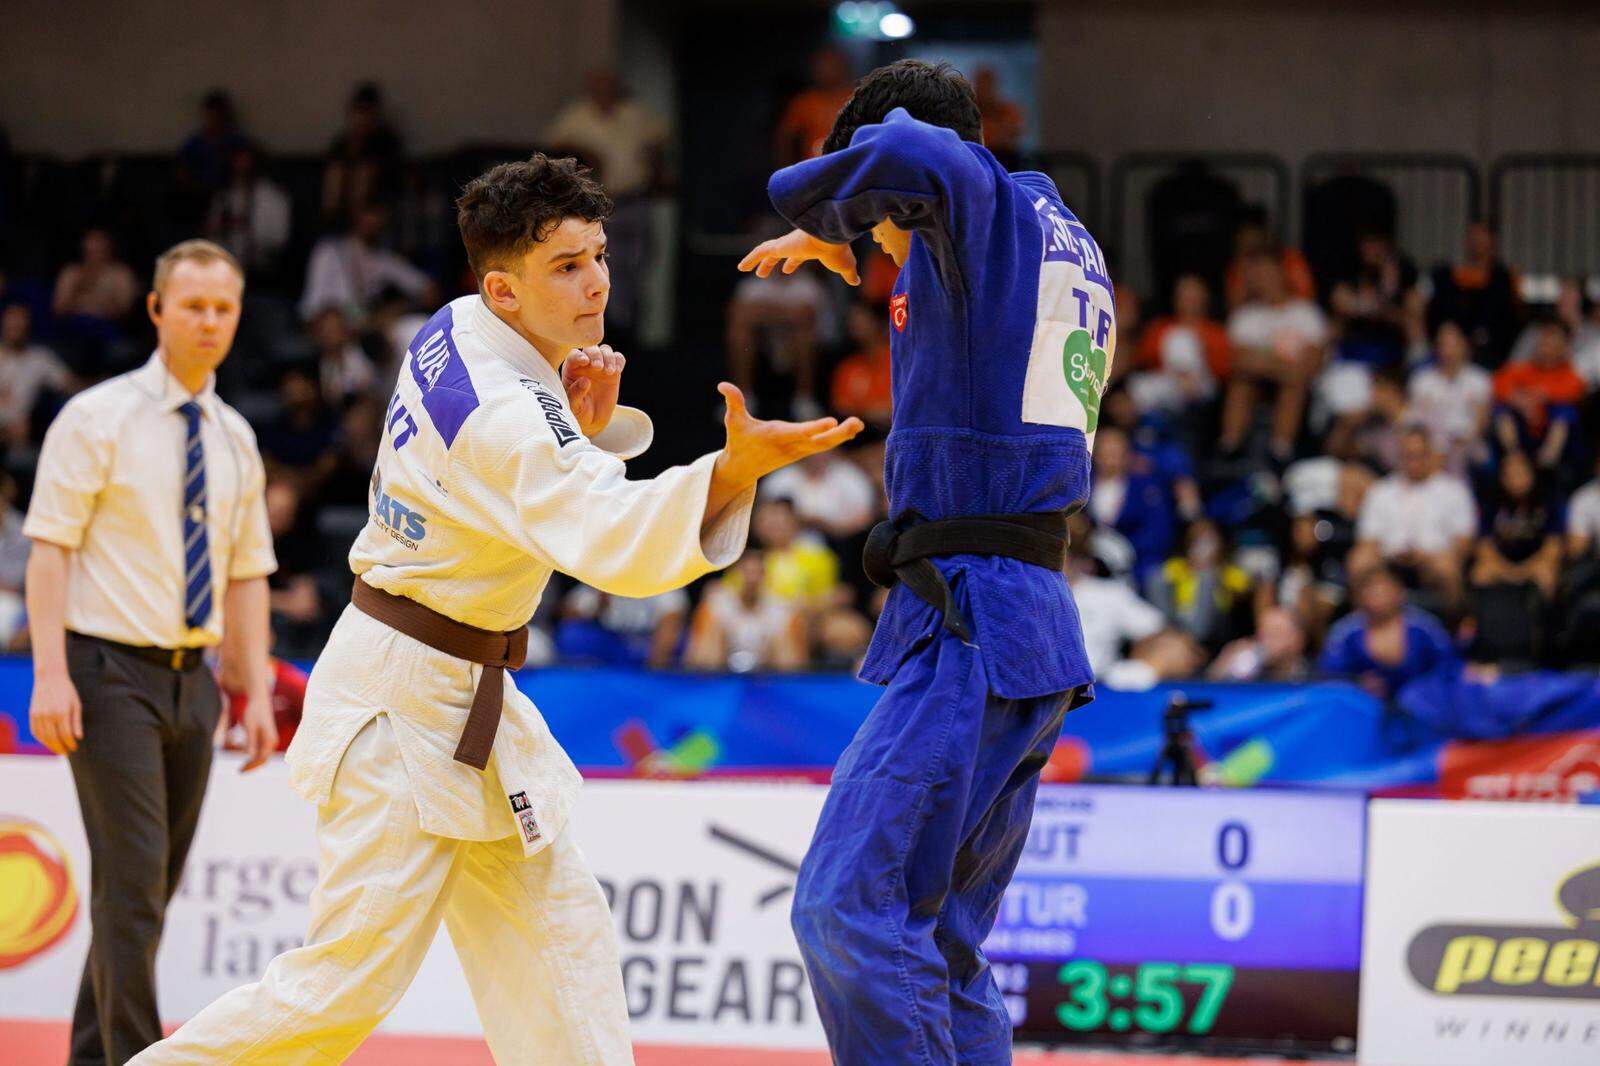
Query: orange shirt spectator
[(1002, 119), (1533, 389), (1190, 308), (809, 118), (861, 384)]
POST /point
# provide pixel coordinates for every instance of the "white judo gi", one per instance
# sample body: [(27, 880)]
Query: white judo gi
[(483, 486)]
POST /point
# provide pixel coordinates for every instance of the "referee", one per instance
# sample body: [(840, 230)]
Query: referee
[(149, 534)]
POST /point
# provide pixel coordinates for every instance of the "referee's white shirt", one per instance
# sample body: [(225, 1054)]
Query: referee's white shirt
[(110, 488)]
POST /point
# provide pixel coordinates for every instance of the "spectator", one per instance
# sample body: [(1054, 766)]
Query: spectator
[(14, 551), (1278, 339), (742, 626), (1450, 398), (1276, 652), (1119, 617), (800, 568), (1385, 644), (781, 314), (364, 159), (1572, 307), (98, 287), (1371, 433), (1482, 294), (626, 143), (250, 214), (297, 608), (27, 371), (1002, 119), (1418, 519), (1374, 307), (842, 636), (1170, 655), (345, 372), (1253, 236), (808, 118), (828, 492), (301, 443), (1136, 505), (1520, 542), (861, 382), (1155, 452), (1181, 356), (1201, 591), (1583, 520), (352, 271), (203, 159), (598, 627), (1537, 401)]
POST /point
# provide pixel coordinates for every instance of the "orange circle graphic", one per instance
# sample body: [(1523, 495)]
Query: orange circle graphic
[(38, 896)]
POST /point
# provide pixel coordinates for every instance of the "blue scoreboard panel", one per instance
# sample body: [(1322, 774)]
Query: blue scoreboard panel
[(1144, 915)]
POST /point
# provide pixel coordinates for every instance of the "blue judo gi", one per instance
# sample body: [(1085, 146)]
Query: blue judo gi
[(1002, 333)]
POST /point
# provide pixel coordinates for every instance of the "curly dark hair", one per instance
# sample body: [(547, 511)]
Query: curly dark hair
[(509, 208), (935, 93)]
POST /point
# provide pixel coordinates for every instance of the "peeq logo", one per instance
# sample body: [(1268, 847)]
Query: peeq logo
[(38, 898), (1493, 960)]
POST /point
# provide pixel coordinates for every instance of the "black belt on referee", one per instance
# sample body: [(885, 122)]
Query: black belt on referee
[(177, 659), (905, 552)]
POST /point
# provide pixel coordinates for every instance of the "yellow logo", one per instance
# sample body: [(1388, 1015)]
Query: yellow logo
[(1552, 962), (38, 897)]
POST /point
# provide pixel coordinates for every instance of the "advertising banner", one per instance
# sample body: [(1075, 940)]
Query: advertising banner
[(1191, 915), (1482, 935)]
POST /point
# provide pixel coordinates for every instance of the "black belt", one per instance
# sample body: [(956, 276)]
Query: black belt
[(905, 552), (179, 659)]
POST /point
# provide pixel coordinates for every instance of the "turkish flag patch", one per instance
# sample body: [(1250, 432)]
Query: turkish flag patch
[(898, 311)]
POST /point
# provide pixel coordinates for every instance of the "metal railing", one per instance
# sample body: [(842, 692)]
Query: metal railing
[(1260, 178), (1547, 206), (1436, 195)]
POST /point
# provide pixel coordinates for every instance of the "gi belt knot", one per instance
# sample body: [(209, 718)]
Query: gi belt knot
[(904, 551)]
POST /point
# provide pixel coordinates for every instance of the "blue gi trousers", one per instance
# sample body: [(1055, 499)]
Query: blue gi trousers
[(919, 837)]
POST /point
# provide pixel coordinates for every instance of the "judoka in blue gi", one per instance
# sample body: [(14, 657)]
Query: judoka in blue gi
[(1001, 338)]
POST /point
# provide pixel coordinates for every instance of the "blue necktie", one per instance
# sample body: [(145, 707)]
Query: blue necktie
[(196, 544)]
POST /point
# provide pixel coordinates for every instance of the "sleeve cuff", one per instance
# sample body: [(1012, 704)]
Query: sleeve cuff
[(627, 435), (724, 542), (58, 533)]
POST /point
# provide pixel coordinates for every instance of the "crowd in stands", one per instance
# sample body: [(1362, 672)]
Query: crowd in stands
[(1312, 462)]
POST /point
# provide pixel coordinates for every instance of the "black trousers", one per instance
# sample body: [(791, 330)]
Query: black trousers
[(141, 771)]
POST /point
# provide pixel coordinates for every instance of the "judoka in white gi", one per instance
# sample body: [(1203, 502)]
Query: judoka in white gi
[(502, 462)]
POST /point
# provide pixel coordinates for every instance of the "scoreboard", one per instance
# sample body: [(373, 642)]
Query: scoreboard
[(1145, 915)]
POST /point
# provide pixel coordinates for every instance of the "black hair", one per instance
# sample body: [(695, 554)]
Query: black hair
[(935, 93), (511, 207), (367, 94)]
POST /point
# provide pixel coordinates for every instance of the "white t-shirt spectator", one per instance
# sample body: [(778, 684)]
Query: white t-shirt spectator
[(1425, 516), (346, 274), (826, 491), (619, 140), (1284, 328), (23, 376), (1583, 513), (1448, 406), (252, 222), (1114, 615), (751, 632)]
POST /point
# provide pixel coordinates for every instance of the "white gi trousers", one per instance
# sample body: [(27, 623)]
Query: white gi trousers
[(534, 936)]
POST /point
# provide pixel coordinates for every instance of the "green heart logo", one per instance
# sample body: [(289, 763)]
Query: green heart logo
[(1085, 368)]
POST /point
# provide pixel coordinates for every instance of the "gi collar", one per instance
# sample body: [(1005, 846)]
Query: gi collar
[(511, 345)]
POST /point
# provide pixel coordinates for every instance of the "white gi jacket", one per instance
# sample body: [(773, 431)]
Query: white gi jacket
[(483, 486)]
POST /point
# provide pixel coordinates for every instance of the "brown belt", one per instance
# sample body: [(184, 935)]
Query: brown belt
[(493, 651)]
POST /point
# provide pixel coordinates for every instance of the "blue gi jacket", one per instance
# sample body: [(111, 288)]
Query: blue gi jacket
[(1002, 333)]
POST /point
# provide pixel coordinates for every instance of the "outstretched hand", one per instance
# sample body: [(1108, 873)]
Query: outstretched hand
[(797, 247), (592, 378), (757, 447)]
